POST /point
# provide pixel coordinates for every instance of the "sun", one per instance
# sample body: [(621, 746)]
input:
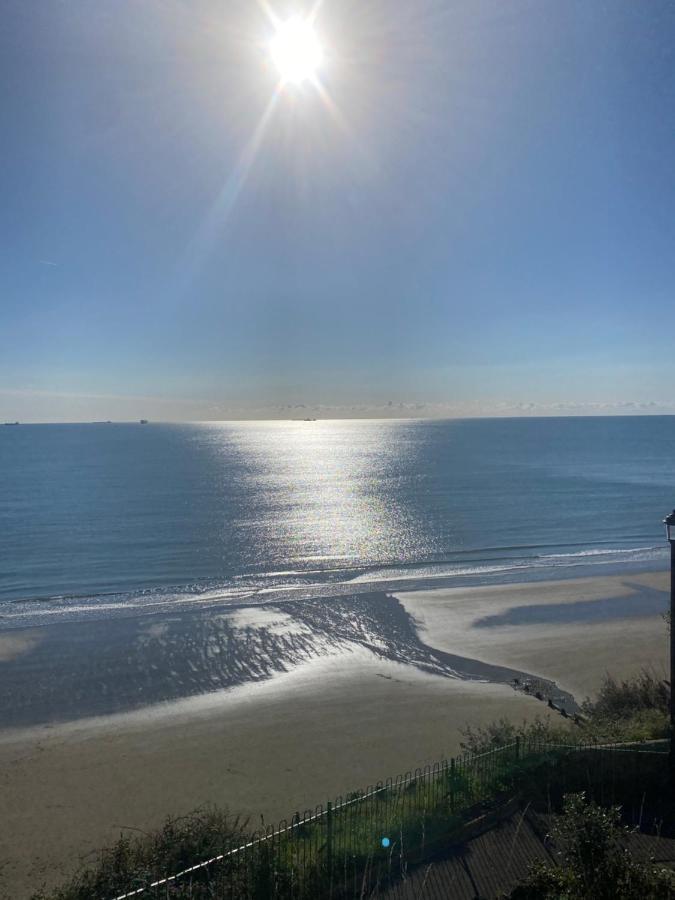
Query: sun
[(296, 51)]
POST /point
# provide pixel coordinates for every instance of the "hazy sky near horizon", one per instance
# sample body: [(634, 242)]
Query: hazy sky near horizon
[(474, 215)]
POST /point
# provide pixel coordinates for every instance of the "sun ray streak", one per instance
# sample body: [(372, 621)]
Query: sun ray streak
[(332, 108), (269, 13), (215, 220), (342, 123)]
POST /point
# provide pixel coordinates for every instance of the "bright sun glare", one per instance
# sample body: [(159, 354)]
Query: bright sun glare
[(296, 51)]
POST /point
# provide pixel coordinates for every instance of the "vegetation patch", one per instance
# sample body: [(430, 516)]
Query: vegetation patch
[(594, 861)]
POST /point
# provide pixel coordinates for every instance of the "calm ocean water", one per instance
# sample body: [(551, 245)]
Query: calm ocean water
[(101, 520)]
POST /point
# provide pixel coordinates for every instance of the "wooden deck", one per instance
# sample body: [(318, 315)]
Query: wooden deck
[(492, 863)]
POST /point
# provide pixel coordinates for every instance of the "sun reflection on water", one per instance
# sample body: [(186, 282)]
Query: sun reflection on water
[(328, 494)]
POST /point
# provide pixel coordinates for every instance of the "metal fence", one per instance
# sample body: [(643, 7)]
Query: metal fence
[(355, 845)]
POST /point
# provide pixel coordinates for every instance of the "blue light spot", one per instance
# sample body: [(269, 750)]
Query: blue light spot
[(385, 842)]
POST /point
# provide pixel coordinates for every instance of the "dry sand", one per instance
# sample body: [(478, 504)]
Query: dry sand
[(329, 726), (585, 628)]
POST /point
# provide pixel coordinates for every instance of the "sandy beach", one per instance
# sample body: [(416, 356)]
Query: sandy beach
[(334, 721), (573, 632)]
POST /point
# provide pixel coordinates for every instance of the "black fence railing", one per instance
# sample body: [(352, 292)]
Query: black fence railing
[(356, 845)]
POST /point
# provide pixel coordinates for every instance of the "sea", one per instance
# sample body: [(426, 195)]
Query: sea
[(104, 520)]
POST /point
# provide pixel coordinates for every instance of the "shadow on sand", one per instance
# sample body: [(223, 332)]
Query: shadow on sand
[(644, 601)]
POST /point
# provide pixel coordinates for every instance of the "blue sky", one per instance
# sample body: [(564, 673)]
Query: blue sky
[(481, 220)]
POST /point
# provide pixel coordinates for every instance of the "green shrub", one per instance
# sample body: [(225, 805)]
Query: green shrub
[(132, 861), (635, 709), (482, 738), (595, 864), (625, 699)]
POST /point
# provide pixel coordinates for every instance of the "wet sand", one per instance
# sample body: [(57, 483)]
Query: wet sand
[(312, 701), (80, 669)]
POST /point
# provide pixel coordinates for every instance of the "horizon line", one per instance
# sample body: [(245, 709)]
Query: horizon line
[(459, 418)]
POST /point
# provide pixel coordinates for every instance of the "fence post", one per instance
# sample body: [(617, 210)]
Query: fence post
[(517, 748), (329, 841)]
